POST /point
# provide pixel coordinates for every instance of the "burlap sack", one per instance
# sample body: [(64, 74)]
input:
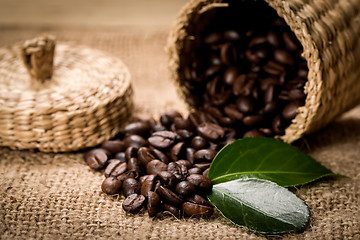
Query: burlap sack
[(84, 102), (57, 196), (330, 35)]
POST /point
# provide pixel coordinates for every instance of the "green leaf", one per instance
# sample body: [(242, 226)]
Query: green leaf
[(260, 205), (265, 158)]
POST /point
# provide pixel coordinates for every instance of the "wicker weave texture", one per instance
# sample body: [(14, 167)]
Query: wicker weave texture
[(329, 31), (83, 104)]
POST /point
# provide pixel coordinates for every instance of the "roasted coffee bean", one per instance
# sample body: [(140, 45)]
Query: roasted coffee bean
[(161, 156), (230, 75), (211, 131), (277, 125), (167, 179), (213, 38), (198, 200), (190, 155), (155, 166), (120, 156), (173, 210), (205, 172), (176, 151), (200, 182), (131, 152), (185, 188), (142, 179), (184, 162), (205, 155), (195, 170), (135, 141), (184, 134), (133, 203), (169, 196), (96, 158), (199, 142), (113, 146), (289, 41), (202, 165), (283, 57), (141, 128), (133, 165), (253, 133), (163, 139), (252, 120), (130, 186), (245, 105), (296, 94), (111, 185), (197, 210), (289, 111), (181, 123), (144, 155), (115, 168), (233, 113), (179, 171), (148, 185), (153, 204), (266, 131), (168, 118)]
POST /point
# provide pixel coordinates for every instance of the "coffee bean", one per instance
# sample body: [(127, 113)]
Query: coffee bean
[(194, 170), (205, 172), (163, 139), (111, 185), (141, 128), (130, 186), (167, 179), (184, 134), (296, 94), (161, 156), (131, 152), (153, 204), (198, 142), (169, 196), (148, 185), (200, 182), (202, 165), (133, 165), (115, 168), (252, 120), (289, 111), (142, 179), (197, 210), (233, 113), (176, 151), (253, 133), (120, 156), (245, 105), (239, 83), (136, 141), (213, 38), (190, 155), (274, 68), (273, 39), (96, 158), (155, 166), (211, 131), (184, 162), (172, 210), (144, 155), (289, 42), (113, 146), (205, 155), (133, 203), (179, 171), (198, 200), (277, 125), (185, 188), (230, 75), (232, 35)]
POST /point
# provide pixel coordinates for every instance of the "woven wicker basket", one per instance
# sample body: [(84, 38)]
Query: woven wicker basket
[(84, 103), (328, 30)]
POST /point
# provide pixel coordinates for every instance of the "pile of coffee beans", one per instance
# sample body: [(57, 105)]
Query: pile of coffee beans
[(162, 165), (243, 81), (250, 78)]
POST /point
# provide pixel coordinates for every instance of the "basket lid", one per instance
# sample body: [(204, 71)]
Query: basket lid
[(77, 100)]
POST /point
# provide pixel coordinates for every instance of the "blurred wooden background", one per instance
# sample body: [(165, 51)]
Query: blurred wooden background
[(89, 13)]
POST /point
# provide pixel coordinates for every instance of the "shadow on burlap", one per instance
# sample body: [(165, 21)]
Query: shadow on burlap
[(56, 196)]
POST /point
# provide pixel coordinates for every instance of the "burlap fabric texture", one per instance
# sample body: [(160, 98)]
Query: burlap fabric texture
[(57, 196), (80, 102), (329, 32)]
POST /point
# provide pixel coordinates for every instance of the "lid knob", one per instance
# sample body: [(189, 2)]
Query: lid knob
[(38, 57)]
